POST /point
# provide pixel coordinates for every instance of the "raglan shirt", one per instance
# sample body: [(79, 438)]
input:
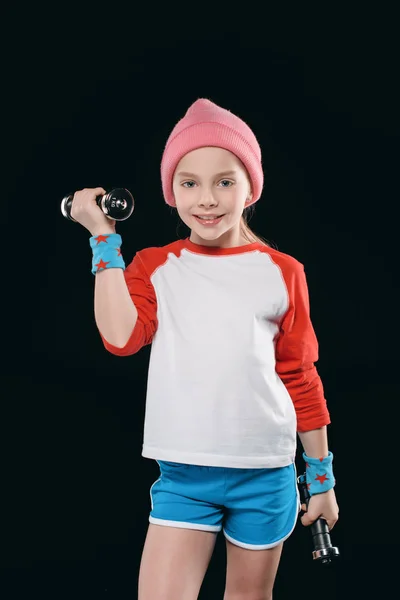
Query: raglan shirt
[(231, 374)]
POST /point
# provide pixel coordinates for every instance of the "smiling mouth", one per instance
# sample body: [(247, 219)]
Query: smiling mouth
[(208, 217)]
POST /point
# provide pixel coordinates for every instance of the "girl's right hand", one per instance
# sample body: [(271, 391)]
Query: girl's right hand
[(85, 211)]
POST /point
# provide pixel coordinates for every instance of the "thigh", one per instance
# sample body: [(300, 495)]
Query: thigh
[(187, 496), (262, 507), (251, 573), (174, 563)]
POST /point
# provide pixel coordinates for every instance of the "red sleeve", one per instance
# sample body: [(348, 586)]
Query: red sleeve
[(297, 351), (144, 298)]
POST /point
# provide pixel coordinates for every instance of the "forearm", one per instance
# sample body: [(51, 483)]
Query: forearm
[(115, 313), (315, 442)]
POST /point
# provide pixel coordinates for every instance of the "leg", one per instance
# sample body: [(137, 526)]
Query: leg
[(174, 563), (251, 573), (262, 512)]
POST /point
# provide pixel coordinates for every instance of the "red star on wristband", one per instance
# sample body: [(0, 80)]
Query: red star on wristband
[(308, 485), (321, 478), (102, 264), (307, 465), (101, 238), (119, 251)]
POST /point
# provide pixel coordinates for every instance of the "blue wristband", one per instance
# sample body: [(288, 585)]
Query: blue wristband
[(319, 474), (106, 252)]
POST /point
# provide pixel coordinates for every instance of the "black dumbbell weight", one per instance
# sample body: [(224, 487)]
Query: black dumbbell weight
[(117, 204)]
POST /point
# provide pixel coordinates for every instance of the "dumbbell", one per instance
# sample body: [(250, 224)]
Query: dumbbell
[(117, 204)]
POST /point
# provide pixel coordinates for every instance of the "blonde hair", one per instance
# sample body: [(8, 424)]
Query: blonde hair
[(246, 231)]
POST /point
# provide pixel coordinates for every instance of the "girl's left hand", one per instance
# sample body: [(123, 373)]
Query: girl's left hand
[(321, 505)]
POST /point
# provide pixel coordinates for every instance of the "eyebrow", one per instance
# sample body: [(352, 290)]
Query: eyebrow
[(186, 174)]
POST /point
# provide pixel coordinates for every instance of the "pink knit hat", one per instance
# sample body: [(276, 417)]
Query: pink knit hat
[(206, 124)]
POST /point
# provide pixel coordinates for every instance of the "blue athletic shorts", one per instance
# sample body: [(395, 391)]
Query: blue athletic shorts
[(256, 508)]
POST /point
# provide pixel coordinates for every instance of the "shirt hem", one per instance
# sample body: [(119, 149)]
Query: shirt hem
[(219, 460)]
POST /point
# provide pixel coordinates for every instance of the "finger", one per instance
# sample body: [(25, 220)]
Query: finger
[(330, 522), (99, 190), (307, 520)]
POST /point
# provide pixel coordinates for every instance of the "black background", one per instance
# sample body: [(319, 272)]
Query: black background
[(89, 99)]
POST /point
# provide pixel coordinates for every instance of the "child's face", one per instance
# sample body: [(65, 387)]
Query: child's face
[(205, 191)]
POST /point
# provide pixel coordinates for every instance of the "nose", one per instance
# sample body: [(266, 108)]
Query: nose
[(207, 200)]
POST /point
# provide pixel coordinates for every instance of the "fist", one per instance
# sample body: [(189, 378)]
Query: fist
[(321, 505), (84, 210)]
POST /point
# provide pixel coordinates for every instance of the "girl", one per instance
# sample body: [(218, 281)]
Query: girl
[(231, 380)]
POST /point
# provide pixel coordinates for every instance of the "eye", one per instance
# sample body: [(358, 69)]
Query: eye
[(184, 183)]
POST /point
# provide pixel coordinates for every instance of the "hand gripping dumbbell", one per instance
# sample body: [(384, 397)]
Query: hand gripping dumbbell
[(117, 204), (323, 550)]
